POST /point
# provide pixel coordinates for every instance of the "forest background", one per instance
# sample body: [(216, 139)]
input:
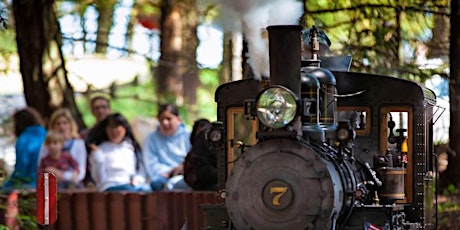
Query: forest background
[(411, 39)]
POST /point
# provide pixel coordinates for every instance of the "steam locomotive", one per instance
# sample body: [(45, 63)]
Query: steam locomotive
[(322, 148)]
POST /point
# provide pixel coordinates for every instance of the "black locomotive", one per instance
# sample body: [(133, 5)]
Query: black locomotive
[(311, 148)]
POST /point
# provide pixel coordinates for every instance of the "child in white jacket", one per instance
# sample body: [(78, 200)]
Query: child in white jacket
[(115, 160)]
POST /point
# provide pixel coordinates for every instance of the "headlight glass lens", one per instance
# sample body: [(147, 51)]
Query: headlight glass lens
[(276, 107)]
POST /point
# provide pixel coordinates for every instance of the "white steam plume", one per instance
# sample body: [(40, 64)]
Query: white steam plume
[(255, 17)]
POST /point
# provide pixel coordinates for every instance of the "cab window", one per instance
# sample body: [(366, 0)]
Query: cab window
[(241, 130), (358, 116), (396, 134)]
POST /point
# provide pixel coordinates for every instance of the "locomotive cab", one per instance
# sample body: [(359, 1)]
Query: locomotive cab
[(397, 140)]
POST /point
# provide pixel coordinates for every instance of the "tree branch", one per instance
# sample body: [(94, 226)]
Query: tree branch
[(442, 9)]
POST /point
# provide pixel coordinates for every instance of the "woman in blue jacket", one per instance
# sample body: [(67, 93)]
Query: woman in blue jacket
[(165, 149), (30, 133)]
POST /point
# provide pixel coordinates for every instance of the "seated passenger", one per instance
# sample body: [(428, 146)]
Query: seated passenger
[(165, 150), (30, 134), (62, 121), (100, 109), (59, 159), (200, 166), (115, 160)]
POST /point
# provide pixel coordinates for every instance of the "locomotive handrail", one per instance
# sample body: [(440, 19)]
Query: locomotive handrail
[(350, 94), (438, 108)]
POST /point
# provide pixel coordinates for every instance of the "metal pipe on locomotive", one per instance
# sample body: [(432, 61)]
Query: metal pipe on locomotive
[(305, 168)]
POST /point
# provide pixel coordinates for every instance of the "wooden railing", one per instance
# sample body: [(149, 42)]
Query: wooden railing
[(85, 210)]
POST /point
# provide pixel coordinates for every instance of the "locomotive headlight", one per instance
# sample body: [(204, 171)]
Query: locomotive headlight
[(276, 106)]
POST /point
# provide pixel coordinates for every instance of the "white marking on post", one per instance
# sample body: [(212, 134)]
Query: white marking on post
[(47, 199)]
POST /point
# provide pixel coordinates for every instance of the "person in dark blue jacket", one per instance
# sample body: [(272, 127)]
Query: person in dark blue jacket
[(200, 165), (30, 133)]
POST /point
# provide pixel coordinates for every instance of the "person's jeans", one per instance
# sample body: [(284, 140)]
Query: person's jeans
[(173, 183), (129, 188), (177, 183), (158, 183)]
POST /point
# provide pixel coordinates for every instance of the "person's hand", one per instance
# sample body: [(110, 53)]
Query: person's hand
[(179, 170), (51, 169), (93, 148), (133, 182), (137, 180), (166, 175), (57, 172), (75, 177)]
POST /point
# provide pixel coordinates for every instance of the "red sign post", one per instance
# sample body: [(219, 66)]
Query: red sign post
[(46, 199)]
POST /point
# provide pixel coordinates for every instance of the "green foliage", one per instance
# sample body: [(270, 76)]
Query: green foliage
[(147, 9), (7, 33), (134, 100), (8, 44), (7, 48), (27, 205), (129, 100), (381, 35), (448, 206), (450, 191), (210, 80)]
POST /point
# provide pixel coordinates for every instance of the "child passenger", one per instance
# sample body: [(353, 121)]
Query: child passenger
[(58, 159), (115, 161)]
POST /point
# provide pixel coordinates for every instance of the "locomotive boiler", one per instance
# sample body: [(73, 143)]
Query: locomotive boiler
[(312, 147)]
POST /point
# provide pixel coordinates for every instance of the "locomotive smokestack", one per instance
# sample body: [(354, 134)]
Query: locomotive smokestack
[(284, 51)]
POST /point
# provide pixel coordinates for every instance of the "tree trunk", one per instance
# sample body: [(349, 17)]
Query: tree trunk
[(453, 169), (190, 71), (168, 76), (104, 24), (42, 65), (130, 29), (439, 46), (226, 70), (177, 65)]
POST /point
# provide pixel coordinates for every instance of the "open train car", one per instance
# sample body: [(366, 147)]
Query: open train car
[(311, 148)]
